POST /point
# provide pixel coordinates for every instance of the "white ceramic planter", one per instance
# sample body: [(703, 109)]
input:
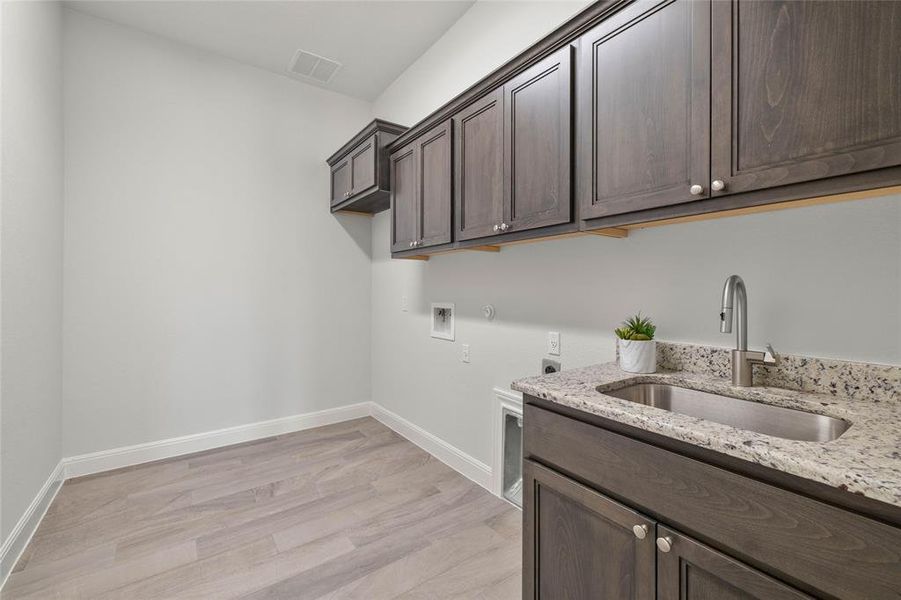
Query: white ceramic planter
[(637, 356)]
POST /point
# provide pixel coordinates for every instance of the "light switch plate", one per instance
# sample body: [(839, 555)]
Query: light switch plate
[(465, 355), (553, 343)]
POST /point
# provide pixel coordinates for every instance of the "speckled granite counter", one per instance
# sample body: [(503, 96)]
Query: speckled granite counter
[(865, 460)]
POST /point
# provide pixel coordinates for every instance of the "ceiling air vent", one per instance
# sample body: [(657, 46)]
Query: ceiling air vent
[(312, 66)]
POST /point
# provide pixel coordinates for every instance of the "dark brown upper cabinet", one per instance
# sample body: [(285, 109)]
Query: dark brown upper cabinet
[(644, 108), (582, 545), (689, 570), (513, 153), (538, 144), (804, 90), (341, 185), (360, 178), (421, 196), (479, 167)]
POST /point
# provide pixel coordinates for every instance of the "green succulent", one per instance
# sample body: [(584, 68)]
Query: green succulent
[(636, 328)]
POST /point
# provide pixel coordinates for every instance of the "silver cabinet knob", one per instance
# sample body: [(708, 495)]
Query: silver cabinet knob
[(717, 184), (497, 227), (504, 227), (665, 544), (695, 190), (640, 531)]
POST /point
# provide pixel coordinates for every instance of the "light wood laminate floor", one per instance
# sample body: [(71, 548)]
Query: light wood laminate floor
[(344, 511)]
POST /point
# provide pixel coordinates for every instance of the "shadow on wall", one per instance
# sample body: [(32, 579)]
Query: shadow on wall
[(676, 273), (357, 228)]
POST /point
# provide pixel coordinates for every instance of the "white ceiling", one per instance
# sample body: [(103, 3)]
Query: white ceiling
[(374, 40)]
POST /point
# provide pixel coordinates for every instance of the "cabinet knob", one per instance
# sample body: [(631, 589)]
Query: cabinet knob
[(717, 184), (496, 227), (640, 531), (665, 544), (696, 190), (504, 227)]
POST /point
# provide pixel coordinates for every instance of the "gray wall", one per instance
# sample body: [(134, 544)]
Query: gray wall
[(206, 283), (31, 222)]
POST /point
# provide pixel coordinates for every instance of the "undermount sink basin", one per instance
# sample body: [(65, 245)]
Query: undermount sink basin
[(744, 414)]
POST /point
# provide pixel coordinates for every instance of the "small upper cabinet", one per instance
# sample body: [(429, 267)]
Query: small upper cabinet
[(479, 167), (360, 179), (513, 159), (804, 91), (421, 194), (537, 144), (644, 108)]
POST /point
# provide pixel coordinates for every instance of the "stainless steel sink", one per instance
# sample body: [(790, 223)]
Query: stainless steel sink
[(744, 414)]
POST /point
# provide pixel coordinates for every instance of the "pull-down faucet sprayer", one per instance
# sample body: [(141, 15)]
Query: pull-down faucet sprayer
[(735, 296)]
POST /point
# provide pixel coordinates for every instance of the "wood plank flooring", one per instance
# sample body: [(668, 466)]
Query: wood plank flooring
[(344, 511)]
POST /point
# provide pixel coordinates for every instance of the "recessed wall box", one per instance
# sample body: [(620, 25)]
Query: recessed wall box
[(443, 320)]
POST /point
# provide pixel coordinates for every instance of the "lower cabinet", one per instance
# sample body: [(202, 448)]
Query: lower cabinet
[(580, 544), (689, 570)]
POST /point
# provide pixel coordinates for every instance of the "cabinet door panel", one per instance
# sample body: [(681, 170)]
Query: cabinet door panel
[(644, 111), (537, 143), (404, 198), (478, 167), (340, 181), (362, 166), (435, 186), (692, 571), (804, 90), (578, 544)]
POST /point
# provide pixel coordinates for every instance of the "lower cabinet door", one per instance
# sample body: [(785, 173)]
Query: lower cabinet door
[(689, 570), (581, 545)]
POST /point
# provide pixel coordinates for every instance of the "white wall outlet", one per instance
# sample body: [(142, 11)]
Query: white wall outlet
[(404, 303), (465, 355), (553, 343)]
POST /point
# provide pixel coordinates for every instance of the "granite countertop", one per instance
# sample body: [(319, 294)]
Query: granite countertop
[(865, 460)]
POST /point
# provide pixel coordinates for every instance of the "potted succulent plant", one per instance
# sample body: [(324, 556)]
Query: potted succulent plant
[(637, 348)]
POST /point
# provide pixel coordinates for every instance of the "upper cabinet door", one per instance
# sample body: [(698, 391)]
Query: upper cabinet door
[(692, 571), (579, 544), (644, 108), (804, 90), (479, 169), (363, 166), (404, 199), (538, 143), (341, 181), (435, 185)]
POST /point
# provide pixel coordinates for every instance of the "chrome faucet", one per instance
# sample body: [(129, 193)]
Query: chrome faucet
[(735, 296)]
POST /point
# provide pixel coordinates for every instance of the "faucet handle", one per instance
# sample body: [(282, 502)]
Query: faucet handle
[(771, 357)]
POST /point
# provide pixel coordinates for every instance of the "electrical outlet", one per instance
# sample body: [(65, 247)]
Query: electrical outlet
[(465, 356), (404, 303), (549, 365), (553, 343)]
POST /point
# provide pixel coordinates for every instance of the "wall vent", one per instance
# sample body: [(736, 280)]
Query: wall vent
[(312, 66)]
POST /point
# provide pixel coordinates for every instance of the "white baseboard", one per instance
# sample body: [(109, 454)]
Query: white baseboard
[(450, 455), (18, 538), (106, 460)]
